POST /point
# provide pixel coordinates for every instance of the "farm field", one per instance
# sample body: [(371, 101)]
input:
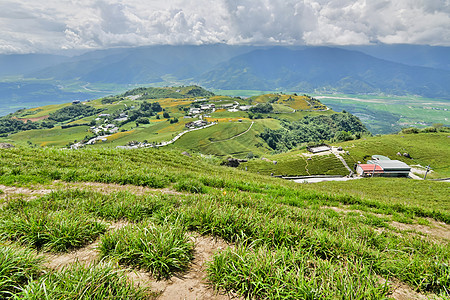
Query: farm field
[(152, 223), (386, 114)]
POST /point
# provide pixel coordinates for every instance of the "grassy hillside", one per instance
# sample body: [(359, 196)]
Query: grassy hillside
[(424, 148), (156, 115), (287, 240)]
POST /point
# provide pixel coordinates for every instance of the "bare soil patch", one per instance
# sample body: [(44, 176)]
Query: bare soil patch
[(31, 119), (436, 229), (192, 284), (12, 191), (107, 188), (402, 291), (86, 255)]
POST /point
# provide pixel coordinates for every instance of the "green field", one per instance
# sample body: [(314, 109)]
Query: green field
[(388, 114), (133, 211)]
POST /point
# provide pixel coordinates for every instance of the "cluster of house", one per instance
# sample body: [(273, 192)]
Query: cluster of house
[(106, 128), (196, 124), (383, 166), (122, 117), (193, 111)]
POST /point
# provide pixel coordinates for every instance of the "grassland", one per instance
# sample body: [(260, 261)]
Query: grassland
[(285, 240)]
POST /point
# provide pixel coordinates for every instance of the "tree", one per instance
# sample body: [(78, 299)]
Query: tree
[(166, 115)]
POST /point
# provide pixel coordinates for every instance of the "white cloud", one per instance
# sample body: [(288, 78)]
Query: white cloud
[(36, 26)]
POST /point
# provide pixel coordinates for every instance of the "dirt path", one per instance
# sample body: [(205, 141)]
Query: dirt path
[(192, 284)]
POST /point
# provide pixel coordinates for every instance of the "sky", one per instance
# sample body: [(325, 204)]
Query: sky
[(31, 26)]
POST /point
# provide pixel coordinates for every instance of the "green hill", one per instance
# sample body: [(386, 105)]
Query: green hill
[(153, 116), (424, 148), (161, 212)]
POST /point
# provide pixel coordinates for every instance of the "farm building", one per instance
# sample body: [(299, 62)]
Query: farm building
[(369, 170), (319, 148), (382, 166), (380, 157)]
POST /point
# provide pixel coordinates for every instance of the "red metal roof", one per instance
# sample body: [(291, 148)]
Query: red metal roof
[(370, 167)]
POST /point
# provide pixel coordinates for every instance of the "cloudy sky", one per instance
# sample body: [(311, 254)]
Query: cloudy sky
[(51, 25)]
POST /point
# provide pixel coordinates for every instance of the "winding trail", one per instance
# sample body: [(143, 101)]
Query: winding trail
[(238, 135)]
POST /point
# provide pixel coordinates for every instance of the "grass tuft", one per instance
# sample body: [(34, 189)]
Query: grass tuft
[(162, 250), (80, 282), (18, 267), (191, 186), (53, 231)]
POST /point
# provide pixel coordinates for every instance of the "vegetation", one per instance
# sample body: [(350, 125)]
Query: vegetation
[(290, 241), (80, 282), (335, 127), (169, 92), (18, 267), (72, 112), (162, 250), (9, 125)]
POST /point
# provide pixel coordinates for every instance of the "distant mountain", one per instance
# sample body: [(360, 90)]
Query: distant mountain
[(324, 69), (143, 64), (20, 64), (437, 57), (392, 69)]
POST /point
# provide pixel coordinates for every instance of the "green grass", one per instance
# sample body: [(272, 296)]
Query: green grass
[(49, 137), (161, 250), (294, 164), (290, 274), (215, 140), (424, 148), (18, 267), (427, 195), (288, 242), (79, 282), (55, 231)]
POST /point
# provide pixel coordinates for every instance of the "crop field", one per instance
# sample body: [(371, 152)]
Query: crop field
[(390, 114), (142, 224), (223, 140), (295, 164)]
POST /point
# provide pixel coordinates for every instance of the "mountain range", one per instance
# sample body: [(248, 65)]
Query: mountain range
[(388, 69)]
